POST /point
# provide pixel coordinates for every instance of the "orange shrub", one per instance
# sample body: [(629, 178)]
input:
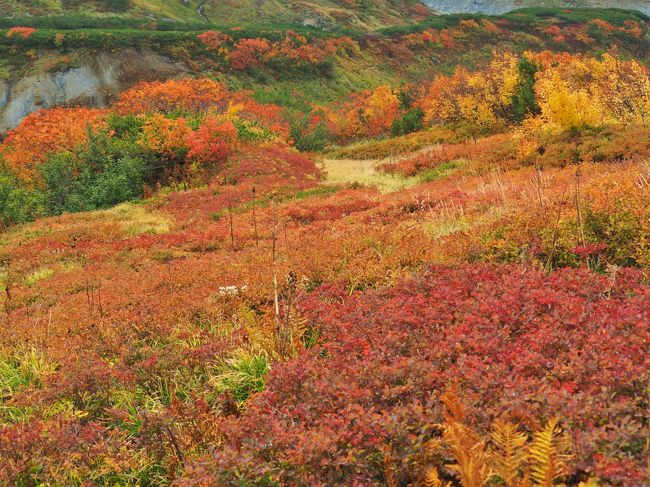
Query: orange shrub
[(165, 136), (215, 40), (45, 132), (213, 141), (23, 32), (370, 113), (186, 95), (249, 53)]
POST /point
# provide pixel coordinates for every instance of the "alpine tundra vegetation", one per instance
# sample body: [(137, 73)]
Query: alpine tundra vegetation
[(324, 243)]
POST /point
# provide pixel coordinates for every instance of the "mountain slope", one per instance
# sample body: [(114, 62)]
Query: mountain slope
[(502, 6), (365, 14)]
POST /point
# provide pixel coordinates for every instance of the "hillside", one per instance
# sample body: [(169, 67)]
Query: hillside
[(503, 6), (266, 256), (320, 13), (88, 60)]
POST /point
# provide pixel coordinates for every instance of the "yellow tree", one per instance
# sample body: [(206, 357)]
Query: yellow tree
[(565, 107), (623, 88), (481, 99)]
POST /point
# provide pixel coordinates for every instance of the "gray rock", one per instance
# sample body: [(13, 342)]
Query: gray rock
[(94, 83), (502, 6)]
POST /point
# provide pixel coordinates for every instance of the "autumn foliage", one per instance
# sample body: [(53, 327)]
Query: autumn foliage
[(568, 91), (172, 96), (369, 114), (23, 32), (44, 132), (228, 314), (293, 51), (212, 142), (374, 380)]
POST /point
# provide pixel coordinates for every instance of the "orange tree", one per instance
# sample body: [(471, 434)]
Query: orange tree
[(44, 132)]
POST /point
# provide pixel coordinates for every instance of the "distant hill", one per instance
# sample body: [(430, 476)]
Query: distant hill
[(362, 14), (502, 6)]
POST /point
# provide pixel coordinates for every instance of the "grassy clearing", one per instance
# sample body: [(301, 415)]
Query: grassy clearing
[(364, 172), (439, 172), (395, 146), (131, 220), (137, 219)]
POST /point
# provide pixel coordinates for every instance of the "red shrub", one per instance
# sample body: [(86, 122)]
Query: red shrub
[(212, 141), (564, 344)]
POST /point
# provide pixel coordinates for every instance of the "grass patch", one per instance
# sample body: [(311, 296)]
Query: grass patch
[(445, 225), (364, 172), (242, 375), (17, 372), (439, 172), (396, 146), (266, 200), (38, 275), (137, 219)]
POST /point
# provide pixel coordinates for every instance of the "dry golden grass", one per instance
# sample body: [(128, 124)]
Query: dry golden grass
[(364, 172)]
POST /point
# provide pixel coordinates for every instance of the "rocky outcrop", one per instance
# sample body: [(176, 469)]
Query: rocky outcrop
[(502, 6), (96, 80)]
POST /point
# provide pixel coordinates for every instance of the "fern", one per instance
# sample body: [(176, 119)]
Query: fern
[(549, 453), (468, 449), (509, 455), (432, 479), (512, 459)]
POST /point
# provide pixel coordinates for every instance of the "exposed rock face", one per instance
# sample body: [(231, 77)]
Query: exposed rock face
[(93, 83), (502, 6)]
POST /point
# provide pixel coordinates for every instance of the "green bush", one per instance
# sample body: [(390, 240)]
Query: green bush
[(410, 122), (18, 204), (102, 184), (523, 100), (305, 137)]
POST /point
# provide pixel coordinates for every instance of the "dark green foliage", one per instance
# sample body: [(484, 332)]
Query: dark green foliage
[(116, 5), (107, 182), (614, 16), (126, 126), (105, 5), (19, 205), (438, 172), (410, 122), (75, 22), (103, 172), (523, 100), (307, 136), (620, 229)]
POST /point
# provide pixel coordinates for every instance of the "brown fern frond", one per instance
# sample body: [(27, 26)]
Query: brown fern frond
[(432, 448), (549, 453), (454, 408), (467, 448), (470, 453), (508, 455), (432, 479)]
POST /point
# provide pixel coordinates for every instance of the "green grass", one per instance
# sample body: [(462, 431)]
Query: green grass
[(135, 219), (18, 372), (242, 375), (38, 275), (167, 13), (439, 172), (614, 16)]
